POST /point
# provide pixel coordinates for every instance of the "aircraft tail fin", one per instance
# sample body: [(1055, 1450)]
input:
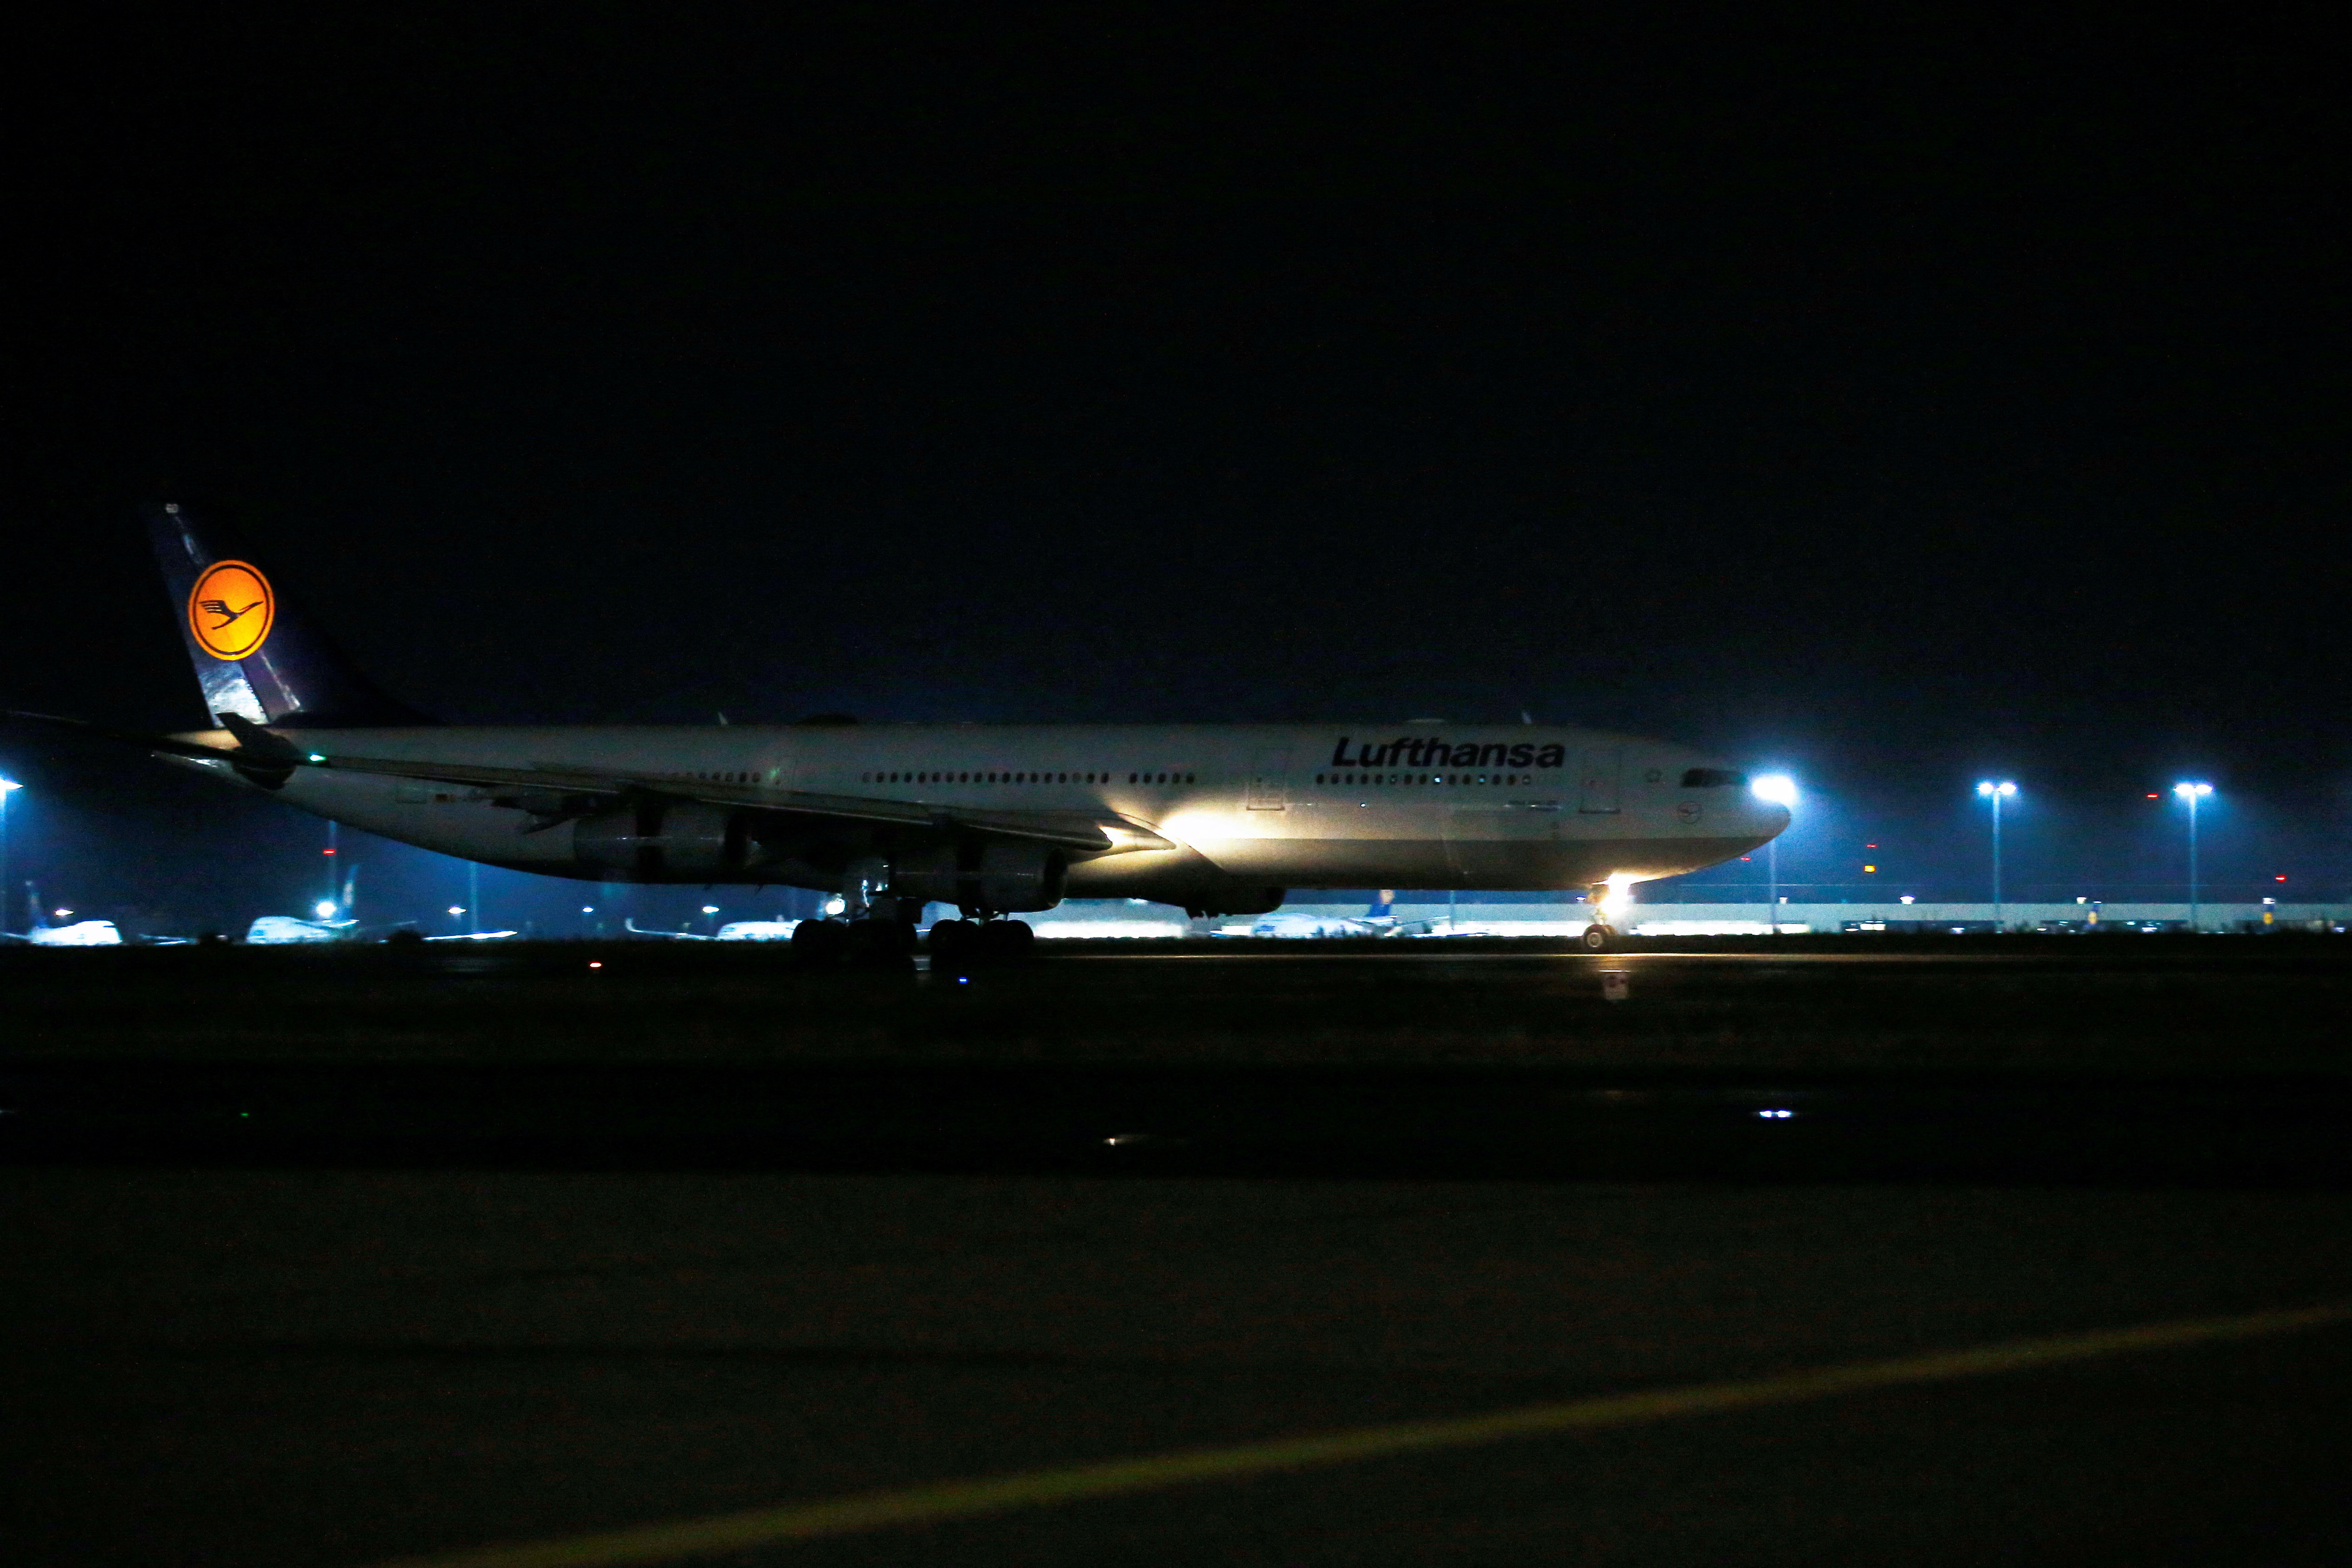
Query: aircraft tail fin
[(1384, 906), (257, 657)]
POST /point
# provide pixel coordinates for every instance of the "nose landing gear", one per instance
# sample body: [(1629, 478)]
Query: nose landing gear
[(1600, 933)]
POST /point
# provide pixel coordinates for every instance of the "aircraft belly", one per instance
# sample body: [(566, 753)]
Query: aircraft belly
[(1499, 866)]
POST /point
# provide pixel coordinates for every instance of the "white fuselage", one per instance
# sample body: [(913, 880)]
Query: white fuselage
[(1321, 806)]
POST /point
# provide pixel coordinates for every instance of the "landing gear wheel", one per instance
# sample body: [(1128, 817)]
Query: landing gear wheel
[(820, 942), (1596, 937), (1006, 941), (950, 941)]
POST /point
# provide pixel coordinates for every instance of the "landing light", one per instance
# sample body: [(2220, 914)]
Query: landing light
[(1778, 788), (326, 910), (64, 914), (7, 784), (1775, 1115), (2188, 791), (2003, 788), (456, 908)]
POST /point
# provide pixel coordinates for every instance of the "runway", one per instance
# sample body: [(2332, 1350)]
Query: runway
[(2107, 1006), (360, 1297)]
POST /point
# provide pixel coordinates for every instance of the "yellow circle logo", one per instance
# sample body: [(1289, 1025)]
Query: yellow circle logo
[(230, 609)]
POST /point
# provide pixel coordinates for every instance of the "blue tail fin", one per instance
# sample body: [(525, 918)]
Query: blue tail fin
[(255, 656)]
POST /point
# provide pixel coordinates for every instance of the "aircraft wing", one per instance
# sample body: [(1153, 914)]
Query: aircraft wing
[(260, 750)]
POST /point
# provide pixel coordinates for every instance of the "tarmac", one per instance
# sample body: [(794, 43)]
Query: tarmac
[(961, 1289)]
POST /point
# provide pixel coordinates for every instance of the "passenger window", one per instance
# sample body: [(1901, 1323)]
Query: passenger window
[(1713, 778)]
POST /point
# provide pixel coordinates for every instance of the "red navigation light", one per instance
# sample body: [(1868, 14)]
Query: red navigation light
[(2278, 878), (326, 852), (1747, 857), (2153, 795)]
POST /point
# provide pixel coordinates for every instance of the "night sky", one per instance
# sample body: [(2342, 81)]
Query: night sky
[(1897, 409)]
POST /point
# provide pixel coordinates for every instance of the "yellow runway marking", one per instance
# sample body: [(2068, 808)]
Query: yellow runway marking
[(1043, 1489)]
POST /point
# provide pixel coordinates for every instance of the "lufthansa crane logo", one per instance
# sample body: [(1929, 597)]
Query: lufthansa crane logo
[(230, 609)]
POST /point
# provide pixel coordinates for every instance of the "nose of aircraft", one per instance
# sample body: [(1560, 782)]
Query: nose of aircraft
[(1768, 820)]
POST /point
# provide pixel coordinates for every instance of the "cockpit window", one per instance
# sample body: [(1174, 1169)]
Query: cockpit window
[(1713, 778)]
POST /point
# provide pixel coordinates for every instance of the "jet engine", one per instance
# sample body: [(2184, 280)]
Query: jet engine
[(657, 840), (1006, 878)]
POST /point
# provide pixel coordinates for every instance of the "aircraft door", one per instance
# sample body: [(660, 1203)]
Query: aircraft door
[(1597, 772), (1269, 782)]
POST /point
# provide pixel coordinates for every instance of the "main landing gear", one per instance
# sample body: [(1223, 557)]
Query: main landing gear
[(980, 942), (869, 943), (878, 931)]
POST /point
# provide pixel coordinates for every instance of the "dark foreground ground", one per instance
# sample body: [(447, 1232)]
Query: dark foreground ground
[(335, 1257)]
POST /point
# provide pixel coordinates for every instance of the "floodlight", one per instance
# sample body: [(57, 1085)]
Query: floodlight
[(2192, 793), (1996, 792), (1778, 788)]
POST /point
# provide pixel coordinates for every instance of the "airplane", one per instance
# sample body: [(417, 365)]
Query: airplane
[(997, 820), (758, 931), (733, 931), (276, 931), (1378, 920), (81, 933)]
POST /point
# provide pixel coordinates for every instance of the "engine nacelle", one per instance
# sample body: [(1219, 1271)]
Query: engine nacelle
[(1004, 877), (659, 840)]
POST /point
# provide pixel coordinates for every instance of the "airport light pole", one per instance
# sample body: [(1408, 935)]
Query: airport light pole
[(1996, 793), (1781, 790), (7, 788), (2192, 793)]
